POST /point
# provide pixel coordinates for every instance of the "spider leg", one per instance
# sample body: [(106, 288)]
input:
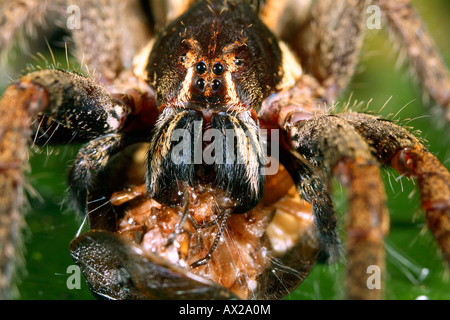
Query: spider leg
[(405, 153), (15, 18), (434, 185), (311, 188), (109, 34), (333, 148), (329, 44), (221, 227), (94, 156), (424, 57), (303, 101), (80, 107), (98, 38), (135, 30), (82, 111), (19, 102)]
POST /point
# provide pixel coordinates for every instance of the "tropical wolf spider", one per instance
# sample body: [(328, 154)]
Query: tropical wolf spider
[(216, 74)]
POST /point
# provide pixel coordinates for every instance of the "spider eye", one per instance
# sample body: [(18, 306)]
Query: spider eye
[(200, 68), (218, 68), (237, 62), (216, 84), (183, 58), (201, 83)]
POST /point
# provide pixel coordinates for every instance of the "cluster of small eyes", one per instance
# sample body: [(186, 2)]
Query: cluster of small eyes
[(217, 69)]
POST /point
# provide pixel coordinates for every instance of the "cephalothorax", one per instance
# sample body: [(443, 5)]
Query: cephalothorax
[(213, 74), (172, 173)]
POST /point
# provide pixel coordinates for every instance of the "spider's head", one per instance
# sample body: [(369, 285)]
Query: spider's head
[(211, 69)]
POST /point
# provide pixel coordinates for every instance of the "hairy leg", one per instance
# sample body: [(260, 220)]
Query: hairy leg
[(78, 104), (422, 53), (328, 142), (93, 156), (311, 188), (19, 103), (135, 30), (19, 17), (98, 40), (333, 147), (74, 104), (330, 44), (405, 153)]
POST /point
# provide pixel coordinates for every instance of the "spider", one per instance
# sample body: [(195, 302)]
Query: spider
[(216, 65)]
